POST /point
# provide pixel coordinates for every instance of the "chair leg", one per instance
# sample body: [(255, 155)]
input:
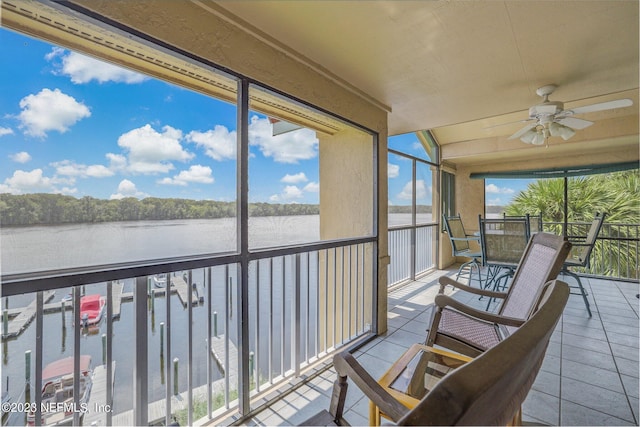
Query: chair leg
[(583, 292), (471, 264)]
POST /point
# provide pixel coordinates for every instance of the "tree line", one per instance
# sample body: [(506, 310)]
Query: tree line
[(46, 209)]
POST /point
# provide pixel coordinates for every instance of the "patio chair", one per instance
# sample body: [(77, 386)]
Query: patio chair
[(535, 222), (460, 245), (503, 241), (489, 390), (469, 331), (580, 255)]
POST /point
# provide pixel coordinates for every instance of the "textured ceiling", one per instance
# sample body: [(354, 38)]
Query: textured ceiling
[(437, 65), (458, 68)]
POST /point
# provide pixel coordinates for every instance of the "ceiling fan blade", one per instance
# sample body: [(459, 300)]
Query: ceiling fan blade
[(610, 105), (575, 123), (523, 130)]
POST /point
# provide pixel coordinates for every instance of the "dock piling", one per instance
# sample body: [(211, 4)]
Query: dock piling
[(175, 376), (161, 339), (104, 349), (215, 324), (27, 367), (5, 322)]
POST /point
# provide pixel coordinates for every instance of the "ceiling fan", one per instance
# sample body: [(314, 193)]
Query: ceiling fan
[(549, 118)]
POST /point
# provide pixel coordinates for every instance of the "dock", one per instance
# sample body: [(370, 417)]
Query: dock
[(183, 289), (157, 410), (97, 414), (116, 299), (20, 318), (218, 350), (24, 317)]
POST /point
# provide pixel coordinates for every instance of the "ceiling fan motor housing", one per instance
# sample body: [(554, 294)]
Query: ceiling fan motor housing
[(546, 110)]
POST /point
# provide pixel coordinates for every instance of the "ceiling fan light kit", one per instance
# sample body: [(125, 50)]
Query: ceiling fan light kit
[(549, 118)]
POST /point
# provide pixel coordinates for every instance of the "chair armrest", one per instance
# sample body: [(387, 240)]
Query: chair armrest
[(446, 280), (445, 300), (347, 366)]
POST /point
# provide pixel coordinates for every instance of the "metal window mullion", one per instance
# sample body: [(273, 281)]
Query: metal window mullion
[(358, 316), (109, 352), (326, 300), (412, 254), (190, 348), (227, 285), (76, 352), (38, 368), (335, 297), (209, 283), (242, 289), (140, 399), (295, 300), (256, 359), (308, 314), (270, 337), (282, 316), (168, 375)]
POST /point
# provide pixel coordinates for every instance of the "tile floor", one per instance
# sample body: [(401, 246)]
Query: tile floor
[(589, 375)]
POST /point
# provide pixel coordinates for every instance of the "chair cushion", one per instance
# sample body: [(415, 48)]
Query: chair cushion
[(470, 330)]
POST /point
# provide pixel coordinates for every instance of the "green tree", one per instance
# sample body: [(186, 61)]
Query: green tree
[(616, 194)]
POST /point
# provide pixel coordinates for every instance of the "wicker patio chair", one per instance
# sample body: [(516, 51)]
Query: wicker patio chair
[(580, 255), (460, 245), (489, 390), (469, 331)]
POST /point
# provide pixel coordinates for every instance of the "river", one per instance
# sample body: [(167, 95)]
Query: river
[(49, 247)]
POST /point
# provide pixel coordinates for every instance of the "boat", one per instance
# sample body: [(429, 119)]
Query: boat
[(58, 406), (160, 280), (91, 310)]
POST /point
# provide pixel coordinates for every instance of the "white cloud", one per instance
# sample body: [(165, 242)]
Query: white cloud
[(494, 189), (294, 179), (151, 152), (72, 169), (127, 188), (196, 173), (27, 182), (289, 147), (6, 131), (219, 143), (393, 170), (83, 69), (494, 202), (50, 110), (421, 190), (312, 187), (21, 157), (289, 193)]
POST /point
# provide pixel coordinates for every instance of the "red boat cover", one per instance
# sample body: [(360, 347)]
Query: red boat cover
[(90, 305), (64, 367)]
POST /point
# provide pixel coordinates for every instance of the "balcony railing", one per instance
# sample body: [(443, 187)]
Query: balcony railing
[(412, 250), (615, 254), (168, 346)]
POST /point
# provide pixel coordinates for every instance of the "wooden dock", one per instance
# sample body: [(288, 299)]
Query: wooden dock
[(24, 317), (97, 413), (116, 299), (158, 409), (183, 290), (218, 350)]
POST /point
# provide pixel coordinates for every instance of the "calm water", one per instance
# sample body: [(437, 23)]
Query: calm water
[(43, 248)]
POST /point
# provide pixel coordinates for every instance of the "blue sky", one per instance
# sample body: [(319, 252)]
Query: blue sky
[(73, 125), (498, 192)]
